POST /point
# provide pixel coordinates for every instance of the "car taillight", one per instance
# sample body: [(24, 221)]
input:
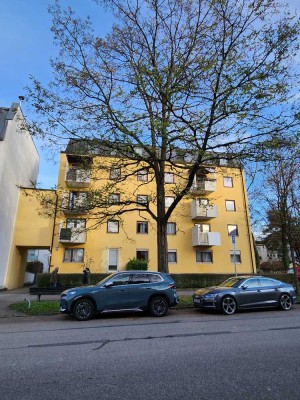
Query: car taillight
[(173, 286)]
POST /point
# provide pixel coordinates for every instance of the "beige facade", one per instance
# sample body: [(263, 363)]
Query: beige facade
[(199, 238), (78, 235)]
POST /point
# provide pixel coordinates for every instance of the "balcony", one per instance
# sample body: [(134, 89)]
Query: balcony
[(201, 212), (72, 235), (205, 238), (206, 185), (78, 178)]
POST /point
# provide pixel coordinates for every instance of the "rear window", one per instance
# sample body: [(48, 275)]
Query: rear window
[(155, 278)]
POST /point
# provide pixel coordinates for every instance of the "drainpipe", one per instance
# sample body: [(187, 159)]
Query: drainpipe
[(248, 220), (53, 230)]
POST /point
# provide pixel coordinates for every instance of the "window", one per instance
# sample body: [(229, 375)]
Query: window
[(266, 282), (139, 278), (171, 228), (237, 257), (251, 283), (142, 255), (142, 227), (203, 227), (204, 256), (203, 202), (76, 223), (77, 200), (120, 279), (115, 173), (230, 205), (227, 181), (172, 256), (142, 175), (142, 200), (168, 201), (112, 226), (113, 257), (73, 255), (232, 230), (169, 177), (114, 198)]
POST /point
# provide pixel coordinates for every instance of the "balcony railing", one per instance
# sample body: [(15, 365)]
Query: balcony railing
[(205, 238), (72, 235), (199, 212), (78, 178), (204, 186)]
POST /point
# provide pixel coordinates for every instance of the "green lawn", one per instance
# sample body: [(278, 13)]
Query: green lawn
[(43, 307)]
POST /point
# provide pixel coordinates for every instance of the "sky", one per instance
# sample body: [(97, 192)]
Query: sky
[(26, 46)]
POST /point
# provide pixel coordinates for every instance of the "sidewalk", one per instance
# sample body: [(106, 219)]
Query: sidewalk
[(8, 297)]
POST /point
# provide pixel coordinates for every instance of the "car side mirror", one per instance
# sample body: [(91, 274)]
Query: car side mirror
[(108, 285), (244, 287)]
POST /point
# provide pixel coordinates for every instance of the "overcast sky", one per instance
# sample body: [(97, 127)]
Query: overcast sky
[(26, 46)]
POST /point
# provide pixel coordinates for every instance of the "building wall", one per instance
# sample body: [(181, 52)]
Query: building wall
[(18, 167), (127, 241), (33, 230)]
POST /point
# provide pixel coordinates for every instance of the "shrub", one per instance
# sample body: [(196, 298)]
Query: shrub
[(136, 264)]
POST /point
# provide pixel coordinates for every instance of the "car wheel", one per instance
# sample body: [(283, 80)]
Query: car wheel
[(83, 310), (158, 307), (285, 302), (228, 305)]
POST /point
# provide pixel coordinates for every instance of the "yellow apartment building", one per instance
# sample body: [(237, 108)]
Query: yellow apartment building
[(81, 223)]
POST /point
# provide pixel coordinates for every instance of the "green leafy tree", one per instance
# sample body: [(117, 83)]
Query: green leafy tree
[(175, 82)]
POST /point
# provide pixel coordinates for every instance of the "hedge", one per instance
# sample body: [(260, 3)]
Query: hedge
[(182, 281)]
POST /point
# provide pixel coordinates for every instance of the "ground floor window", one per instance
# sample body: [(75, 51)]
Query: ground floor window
[(172, 256), (73, 255), (204, 256), (235, 258), (113, 258), (142, 255)]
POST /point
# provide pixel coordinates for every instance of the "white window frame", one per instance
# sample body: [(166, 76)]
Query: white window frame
[(202, 261), (228, 181), (140, 202), (112, 226), (169, 200), (169, 177), (142, 175), (173, 230), (114, 198), (228, 205), (142, 224), (234, 228), (109, 251), (73, 255), (172, 252), (238, 259), (115, 173)]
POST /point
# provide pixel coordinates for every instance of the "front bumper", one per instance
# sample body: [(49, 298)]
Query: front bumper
[(201, 302)]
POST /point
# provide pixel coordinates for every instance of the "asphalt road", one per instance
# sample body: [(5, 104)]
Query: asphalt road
[(185, 355)]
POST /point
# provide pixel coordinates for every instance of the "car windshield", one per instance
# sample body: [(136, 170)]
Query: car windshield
[(105, 279), (231, 282)]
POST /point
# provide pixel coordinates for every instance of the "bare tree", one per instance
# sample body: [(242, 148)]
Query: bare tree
[(175, 83)]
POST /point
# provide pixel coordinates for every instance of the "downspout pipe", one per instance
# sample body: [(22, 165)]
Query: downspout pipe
[(248, 220), (53, 229)]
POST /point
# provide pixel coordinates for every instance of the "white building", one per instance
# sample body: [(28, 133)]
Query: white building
[(19, 161)]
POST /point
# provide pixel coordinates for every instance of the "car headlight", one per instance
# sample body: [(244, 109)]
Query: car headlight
[(71, 292), (210, 296)]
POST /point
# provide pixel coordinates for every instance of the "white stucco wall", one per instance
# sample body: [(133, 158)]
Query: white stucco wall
[(19, 161)]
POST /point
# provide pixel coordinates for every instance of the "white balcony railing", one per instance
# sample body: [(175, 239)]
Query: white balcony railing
[(205, 238), (200, 211), (72, 235), (203, 186)]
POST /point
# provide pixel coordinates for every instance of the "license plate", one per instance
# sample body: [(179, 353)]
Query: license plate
[(197, 301)]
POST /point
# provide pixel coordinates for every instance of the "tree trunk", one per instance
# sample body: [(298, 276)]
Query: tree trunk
[(162, 246)]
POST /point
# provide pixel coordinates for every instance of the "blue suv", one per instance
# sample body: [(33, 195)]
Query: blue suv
[(154, 292)]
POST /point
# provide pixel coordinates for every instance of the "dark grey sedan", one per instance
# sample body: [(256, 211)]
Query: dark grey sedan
[(245, 292)]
